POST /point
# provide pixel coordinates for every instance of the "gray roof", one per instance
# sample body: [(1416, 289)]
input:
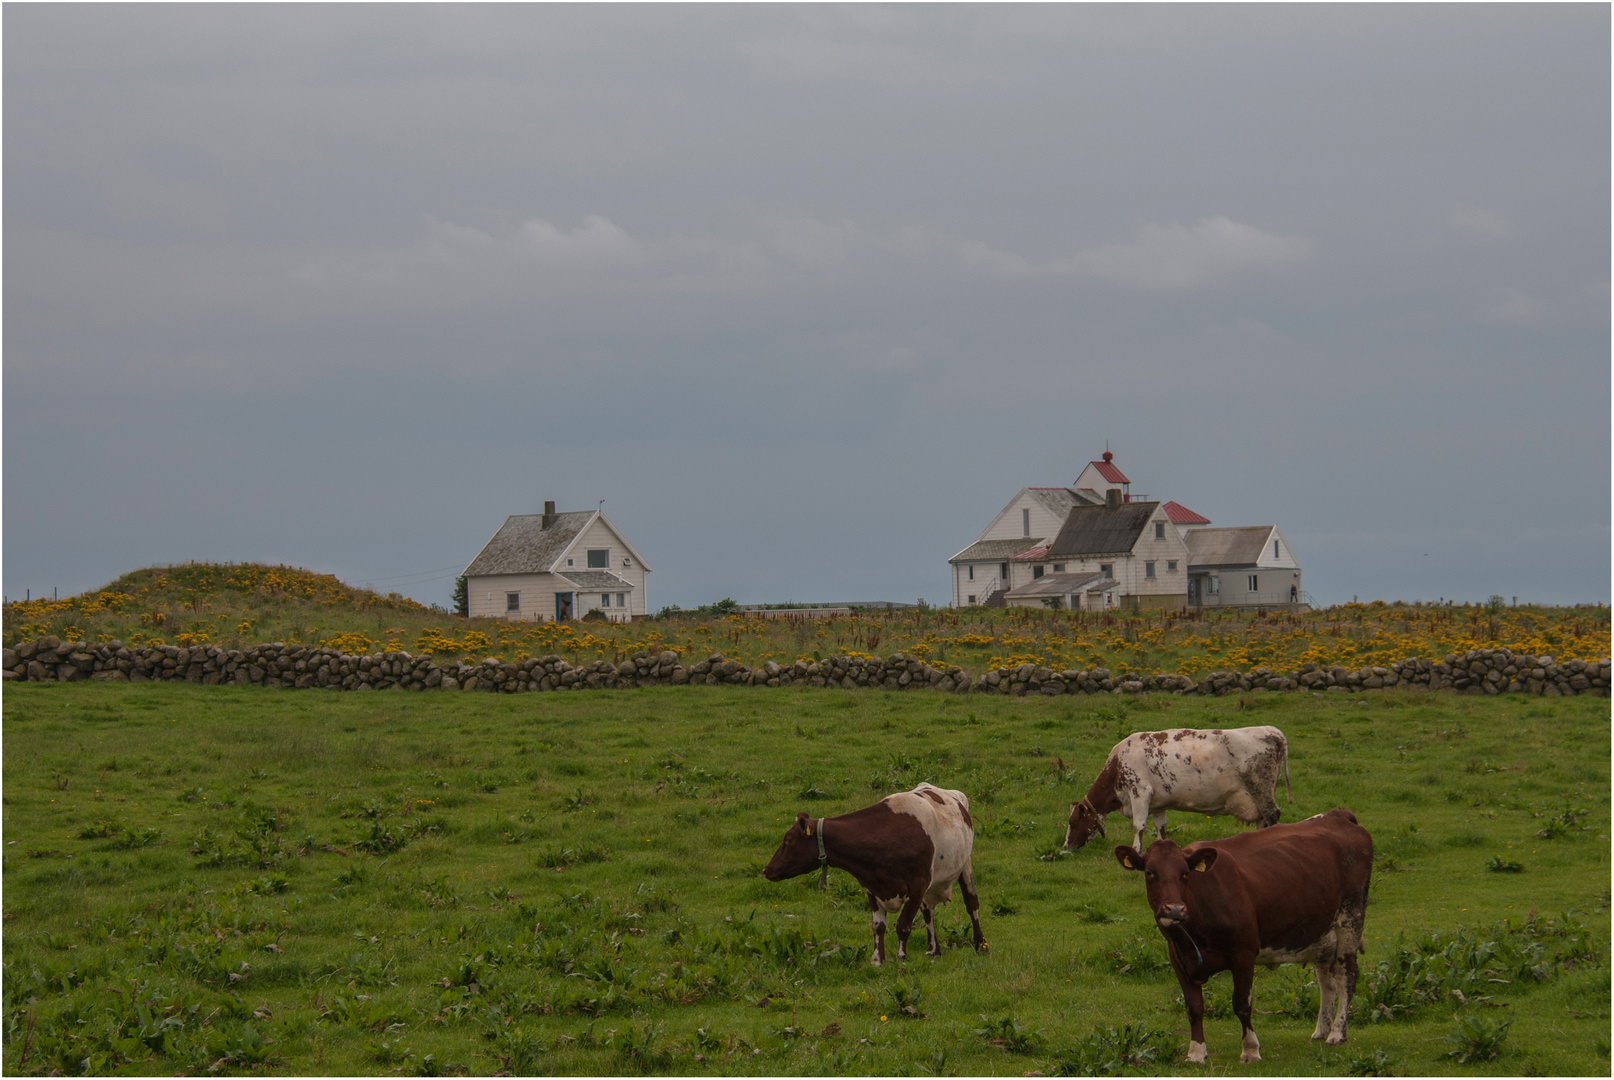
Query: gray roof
[(595, 579), (1060, 500), (1063, 585), (523, 546), (993, 550), (1237, 546), (1098, 530)]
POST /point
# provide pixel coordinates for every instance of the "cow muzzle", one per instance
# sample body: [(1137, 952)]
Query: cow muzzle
[(1171, 914)]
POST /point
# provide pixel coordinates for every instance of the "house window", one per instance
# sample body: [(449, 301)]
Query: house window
[(626, 561), (1274, 549), (972, 599), (568, 562), (1160, 530), (1216, 584), (1025, 523), (1254, 578), (1107, 569), (972, 572), (1171, 566), (1036, 572), (605, 599), (512, 601), (599, 560), (620, 597), (1148, 569), (1059, 568), (1003, 571)]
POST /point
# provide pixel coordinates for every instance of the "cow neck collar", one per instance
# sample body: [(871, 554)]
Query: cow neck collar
[(823, 857)]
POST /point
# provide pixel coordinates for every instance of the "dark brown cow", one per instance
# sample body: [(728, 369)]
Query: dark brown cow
[(906, 851), (1288, 894)]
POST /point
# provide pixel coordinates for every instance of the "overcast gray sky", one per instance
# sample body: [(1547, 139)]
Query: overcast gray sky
[(805, 294)]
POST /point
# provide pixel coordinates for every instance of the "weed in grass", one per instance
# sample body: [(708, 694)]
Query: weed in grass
[(1378, 1063), (1109, 1050), (1477, 1038), (1008, 1034), (1500, 865), (1135, 956)]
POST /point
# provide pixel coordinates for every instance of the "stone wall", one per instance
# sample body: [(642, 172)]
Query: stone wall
[(1482, 671)]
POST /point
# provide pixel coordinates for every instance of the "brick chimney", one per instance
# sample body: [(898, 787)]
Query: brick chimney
[(549, 513), (1112, 499)]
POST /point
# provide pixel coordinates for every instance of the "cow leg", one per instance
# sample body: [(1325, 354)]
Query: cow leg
[(1243, 1005), (1140, 817), (1327, 987), (877, 917), (905, 921), (1160, 825), (1346, 991), (932, 942), (1267, 806), (1193, 999), (972, 904)]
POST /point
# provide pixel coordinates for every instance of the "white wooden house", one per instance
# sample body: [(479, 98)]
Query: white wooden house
[(1022, 544), (1245, 567), (557, 566)]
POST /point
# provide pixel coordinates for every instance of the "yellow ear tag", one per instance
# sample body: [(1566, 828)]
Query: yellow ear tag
[(809, 830), (1202, 867)]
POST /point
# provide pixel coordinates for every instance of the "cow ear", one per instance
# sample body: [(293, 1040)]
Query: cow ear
[(1202, 860), (1128, 857), (802, 819)]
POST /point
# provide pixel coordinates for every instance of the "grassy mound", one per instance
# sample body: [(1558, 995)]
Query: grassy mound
[(233, 606)]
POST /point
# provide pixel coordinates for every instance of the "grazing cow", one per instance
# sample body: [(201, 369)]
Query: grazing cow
[(1290, 894), (906, 851), (1206, 772)]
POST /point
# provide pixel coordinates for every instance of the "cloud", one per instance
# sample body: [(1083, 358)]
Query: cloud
[(1163, 258), (809, 244), (1478, 223), (1513, 307)]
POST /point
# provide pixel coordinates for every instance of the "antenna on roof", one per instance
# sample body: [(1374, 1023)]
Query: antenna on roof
[(600, 507)]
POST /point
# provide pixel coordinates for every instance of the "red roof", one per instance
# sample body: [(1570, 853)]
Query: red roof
[(1031, 554), (1181, 515), (1110, 472)]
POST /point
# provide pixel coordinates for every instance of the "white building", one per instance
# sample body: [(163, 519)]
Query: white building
[(1022, 544), (1251, 566), (557, 566)]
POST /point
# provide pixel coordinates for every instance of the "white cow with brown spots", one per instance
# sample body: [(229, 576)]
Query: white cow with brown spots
[(1204, 772)]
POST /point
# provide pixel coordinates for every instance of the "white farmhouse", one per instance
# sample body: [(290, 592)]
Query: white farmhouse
[(1251, 566), (554, 566)]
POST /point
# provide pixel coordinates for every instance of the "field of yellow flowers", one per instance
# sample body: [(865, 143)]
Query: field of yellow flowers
[(240, 604)]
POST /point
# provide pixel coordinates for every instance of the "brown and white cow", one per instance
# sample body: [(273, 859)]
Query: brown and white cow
[(1290, 894), (906, 851), (1205, 772)]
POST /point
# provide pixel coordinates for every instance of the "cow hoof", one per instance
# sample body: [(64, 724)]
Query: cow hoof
[(1249, 1056), (877, 961), (1196, 1053), (1335, 1040)]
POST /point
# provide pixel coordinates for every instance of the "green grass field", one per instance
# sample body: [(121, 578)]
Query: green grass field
[(206, 878)]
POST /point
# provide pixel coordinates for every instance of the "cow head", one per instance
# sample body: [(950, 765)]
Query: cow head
[(1084, 822), (1165, 869), (797, 853)]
